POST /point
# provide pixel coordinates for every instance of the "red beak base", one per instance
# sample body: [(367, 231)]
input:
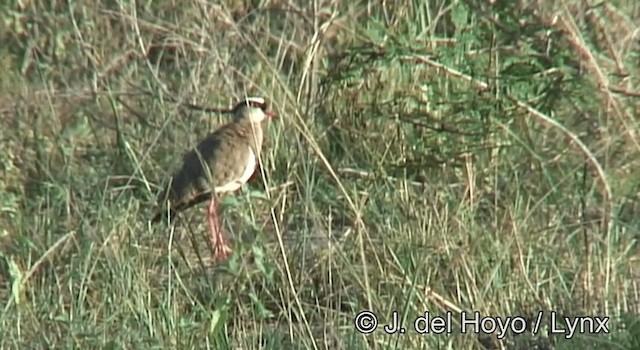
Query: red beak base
[(271, 114)]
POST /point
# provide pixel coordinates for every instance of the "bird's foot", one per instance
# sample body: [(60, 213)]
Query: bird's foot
[(221, 251)]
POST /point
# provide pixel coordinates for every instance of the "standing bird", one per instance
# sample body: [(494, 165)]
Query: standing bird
[(221, 163)]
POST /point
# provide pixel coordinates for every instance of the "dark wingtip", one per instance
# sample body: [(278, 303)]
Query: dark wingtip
[(161, 215)]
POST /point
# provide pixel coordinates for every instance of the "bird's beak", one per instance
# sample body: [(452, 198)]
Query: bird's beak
[(271, 114)]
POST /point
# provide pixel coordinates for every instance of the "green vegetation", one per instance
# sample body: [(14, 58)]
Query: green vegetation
[(429, 156)]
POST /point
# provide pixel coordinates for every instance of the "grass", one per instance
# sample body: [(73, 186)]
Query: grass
[(441, 157)]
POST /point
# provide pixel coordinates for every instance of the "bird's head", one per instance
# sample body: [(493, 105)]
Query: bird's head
[(254, 109)]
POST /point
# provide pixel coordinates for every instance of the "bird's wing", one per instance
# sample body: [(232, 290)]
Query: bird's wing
[(216, 163)]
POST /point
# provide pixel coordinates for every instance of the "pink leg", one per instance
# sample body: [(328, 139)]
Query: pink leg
[(220, 249)]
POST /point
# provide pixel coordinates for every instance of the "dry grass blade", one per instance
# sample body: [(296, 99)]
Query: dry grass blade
[(429, 157)]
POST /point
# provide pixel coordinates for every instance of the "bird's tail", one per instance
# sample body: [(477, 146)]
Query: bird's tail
[(162, 214), (164, 210)]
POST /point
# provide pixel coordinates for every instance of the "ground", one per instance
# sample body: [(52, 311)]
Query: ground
[(444, 157)]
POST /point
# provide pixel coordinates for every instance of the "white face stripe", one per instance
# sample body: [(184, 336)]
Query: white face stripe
[(252, 107), (246, 175), (258, 100)]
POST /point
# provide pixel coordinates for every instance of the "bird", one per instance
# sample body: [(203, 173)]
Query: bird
[(220, 163)]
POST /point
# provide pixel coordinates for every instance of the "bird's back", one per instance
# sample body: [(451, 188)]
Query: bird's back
[(217, 160)]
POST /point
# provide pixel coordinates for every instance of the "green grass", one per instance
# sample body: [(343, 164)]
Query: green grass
[(455, 156)]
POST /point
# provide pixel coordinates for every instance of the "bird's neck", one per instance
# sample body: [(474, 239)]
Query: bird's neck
[(254, 134)]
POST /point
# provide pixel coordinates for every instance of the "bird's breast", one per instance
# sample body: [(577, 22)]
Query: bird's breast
[(246, 175)]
